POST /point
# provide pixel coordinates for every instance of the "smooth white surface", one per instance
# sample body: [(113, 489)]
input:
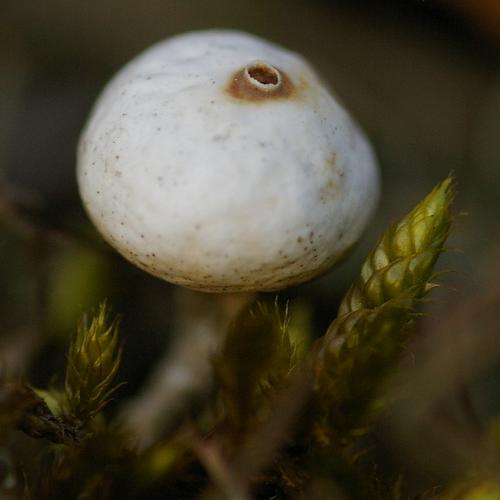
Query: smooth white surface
[(221, 194)]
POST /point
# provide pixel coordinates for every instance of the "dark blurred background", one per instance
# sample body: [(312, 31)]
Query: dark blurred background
[(421, 77)]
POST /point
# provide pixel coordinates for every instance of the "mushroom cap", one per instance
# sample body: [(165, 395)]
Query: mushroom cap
[(219, 161)]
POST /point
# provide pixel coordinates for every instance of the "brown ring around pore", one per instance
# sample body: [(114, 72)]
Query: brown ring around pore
[(260, 81)]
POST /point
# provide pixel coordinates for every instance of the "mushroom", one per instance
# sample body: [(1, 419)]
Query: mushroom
[(219, 161)]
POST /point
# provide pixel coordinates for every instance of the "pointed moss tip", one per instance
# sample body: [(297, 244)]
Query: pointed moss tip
[(93, 360), (448, 187)]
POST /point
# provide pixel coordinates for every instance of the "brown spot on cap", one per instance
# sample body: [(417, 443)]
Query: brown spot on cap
[(259, 81), (333, 186), (332, 160)]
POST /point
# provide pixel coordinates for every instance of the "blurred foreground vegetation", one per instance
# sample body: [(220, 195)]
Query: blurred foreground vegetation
[(288, 415)]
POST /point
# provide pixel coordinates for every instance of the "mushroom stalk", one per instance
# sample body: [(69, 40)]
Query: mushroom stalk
[(184, 374)]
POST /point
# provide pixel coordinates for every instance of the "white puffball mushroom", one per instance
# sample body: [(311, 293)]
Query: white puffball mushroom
[(219, 161)]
